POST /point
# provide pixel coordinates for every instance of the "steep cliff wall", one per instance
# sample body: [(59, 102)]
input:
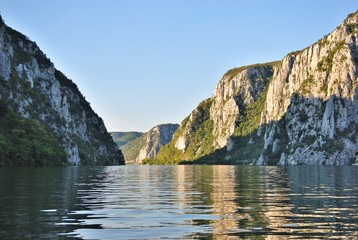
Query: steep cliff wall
[(209, 127), (192, 139), (310, 116), (148, 145), (238, 89), (33, 89), (301, 110)]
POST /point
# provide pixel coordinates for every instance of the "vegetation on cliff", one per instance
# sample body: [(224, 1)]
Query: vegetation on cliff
[(45, 118), (199, 143), (122, 138), (301, 110), (27, 142)]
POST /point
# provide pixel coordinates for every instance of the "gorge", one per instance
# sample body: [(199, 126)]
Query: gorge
[(144, 146), (44, 118), (300, 110)]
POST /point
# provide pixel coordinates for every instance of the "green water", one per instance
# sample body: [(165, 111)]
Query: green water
[(179, 202)]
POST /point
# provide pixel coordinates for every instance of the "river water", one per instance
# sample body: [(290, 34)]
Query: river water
[(179, 202)]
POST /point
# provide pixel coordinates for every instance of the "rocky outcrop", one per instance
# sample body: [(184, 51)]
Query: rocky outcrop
[(210, 126), (301, 110), (148, 145), (156, 138), (238, 88), (312, 100), (33, 88)]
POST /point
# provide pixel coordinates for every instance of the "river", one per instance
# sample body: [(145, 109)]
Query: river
[(179, 202)]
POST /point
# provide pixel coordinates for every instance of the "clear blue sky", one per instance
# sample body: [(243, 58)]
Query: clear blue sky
[(145, 62)]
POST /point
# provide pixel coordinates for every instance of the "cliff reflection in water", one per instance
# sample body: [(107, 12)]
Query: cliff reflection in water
[(279, 203), (222, 202), (179, 202), (34, 200)]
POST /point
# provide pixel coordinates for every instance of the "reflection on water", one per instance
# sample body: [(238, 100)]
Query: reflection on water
[(179, 202), (140, 203), (32, 201)]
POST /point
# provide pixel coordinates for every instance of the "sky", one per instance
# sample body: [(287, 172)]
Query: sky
[(141, 63)]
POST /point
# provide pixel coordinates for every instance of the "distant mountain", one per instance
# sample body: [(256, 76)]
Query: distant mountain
[(148, 145), (122, 138), (44, 118), (300, 110)]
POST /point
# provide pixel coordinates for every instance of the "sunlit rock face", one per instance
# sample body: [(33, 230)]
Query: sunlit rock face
[(300, 110), (210, 125), (234, 90), (34, 88), (311, 105), (155, 139), (148, 145)]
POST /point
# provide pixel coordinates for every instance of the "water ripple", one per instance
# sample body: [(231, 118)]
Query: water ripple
[(180, 202)]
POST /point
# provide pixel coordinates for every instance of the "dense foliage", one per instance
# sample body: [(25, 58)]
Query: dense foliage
[(56, 115), (250, 115), (246, 138), (131, 149), (26, 142), (200, 147), (199, 142)]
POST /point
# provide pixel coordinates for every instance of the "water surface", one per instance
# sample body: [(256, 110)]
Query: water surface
[(179, 202)]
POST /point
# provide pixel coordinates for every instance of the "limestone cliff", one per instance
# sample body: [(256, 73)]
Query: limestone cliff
[(310, 115), (209, 127), (238, 88), (301, 110), (148, 145), (34, 89)]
